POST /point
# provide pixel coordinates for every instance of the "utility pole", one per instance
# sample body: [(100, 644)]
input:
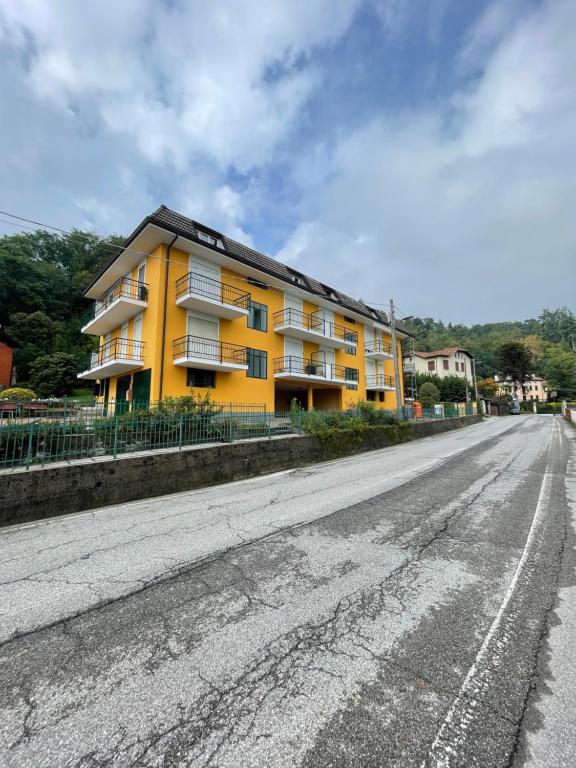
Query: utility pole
[(395, 357), (475, 380)]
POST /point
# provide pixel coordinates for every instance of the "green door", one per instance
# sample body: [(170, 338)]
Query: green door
[(122, 387), (141, 394)]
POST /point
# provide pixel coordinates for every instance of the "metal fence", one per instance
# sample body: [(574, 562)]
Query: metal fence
[(37, 433), (209, 288)]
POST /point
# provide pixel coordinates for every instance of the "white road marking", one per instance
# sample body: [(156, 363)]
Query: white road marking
[(443, 748)]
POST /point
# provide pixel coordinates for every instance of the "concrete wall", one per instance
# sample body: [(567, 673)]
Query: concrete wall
[(61, 489)]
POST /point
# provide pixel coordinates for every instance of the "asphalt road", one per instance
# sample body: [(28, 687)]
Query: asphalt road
[(385, 610)]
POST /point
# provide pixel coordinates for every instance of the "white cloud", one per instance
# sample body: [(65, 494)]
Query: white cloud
[(224, 80), (462, 209), (450, 218)]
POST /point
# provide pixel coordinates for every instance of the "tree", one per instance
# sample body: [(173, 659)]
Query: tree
[(558, 325), (42, 280), (428, 394), (515, 362), (558, 367), (535, 347), (487, 388), (453, 389), (55, 375)]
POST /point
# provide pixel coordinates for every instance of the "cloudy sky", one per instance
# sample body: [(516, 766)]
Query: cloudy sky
[(418, 149)]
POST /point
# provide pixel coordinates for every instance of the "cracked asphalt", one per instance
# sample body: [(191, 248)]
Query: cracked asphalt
[(390, 609)]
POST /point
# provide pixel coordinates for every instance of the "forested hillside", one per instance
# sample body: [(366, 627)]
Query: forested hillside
[(550, 338), (43, 276)]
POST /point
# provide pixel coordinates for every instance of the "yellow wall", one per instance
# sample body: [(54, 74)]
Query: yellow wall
[(234, 387)]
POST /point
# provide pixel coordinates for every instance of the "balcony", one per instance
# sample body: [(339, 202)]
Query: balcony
[(301, 369), (313, 327), (195, 291), (378, 350), (115, 357), (210, 354), (124, 299), (380, 382)]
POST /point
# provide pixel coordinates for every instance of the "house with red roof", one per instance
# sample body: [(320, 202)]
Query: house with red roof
[(450, 361)]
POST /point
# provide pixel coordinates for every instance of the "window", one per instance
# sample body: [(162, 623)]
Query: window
[(257, 364), (431, 365), (350, 348), (257, 283), (370, 395), (297, 278), (445, 364), (197, 377), (349, 320), (257, 316), (351, 376), (381, 395), (210, 239)]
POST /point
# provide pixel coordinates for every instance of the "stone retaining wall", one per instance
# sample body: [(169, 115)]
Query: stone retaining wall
[(60, 489)]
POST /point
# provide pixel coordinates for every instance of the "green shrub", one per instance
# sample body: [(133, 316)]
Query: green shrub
[(367, 412), (17, 393), (429, 394)]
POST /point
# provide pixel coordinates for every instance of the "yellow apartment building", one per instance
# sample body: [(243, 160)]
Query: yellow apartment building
[(181, 308)]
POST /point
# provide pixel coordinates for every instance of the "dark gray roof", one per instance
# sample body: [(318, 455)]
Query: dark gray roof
[(182, 225)]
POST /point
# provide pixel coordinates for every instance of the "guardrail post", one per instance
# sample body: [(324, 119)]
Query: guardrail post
[(29, 454), (115, 451)]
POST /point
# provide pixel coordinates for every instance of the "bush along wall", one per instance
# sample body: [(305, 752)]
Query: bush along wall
[(340, 431)]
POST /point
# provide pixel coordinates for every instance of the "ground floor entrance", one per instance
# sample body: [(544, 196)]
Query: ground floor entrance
[(307, 397)]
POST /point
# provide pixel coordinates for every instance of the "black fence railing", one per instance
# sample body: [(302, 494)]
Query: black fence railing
[(312, 321), (209, 288), (196, 347), (378, 346), (117, 349), (379, 380), (302, 366), (124, 288), (39, 432)]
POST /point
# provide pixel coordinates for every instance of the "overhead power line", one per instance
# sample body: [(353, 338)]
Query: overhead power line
[(112, 246)]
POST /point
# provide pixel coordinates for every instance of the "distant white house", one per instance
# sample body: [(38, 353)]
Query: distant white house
[(451, 361), (535, 389)]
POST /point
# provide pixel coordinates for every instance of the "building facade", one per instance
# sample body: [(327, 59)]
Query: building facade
[(536, 389), (6, 363), (451, 361), (183, 309)]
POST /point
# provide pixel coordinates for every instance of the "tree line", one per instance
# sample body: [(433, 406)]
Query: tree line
[(42, 279), (544, 346)]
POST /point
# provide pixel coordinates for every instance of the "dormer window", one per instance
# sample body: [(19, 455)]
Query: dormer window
[(330, 291), (210, 239), (297, 279)]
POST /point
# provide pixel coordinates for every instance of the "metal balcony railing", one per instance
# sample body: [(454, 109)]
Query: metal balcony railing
[(302, 366), (209, 288), (311, 321), (379, 380), (124, 288), (117, 349), (196, 347), (378, 346)]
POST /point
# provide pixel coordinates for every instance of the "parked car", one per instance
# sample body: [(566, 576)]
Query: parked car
[(514, 407)]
